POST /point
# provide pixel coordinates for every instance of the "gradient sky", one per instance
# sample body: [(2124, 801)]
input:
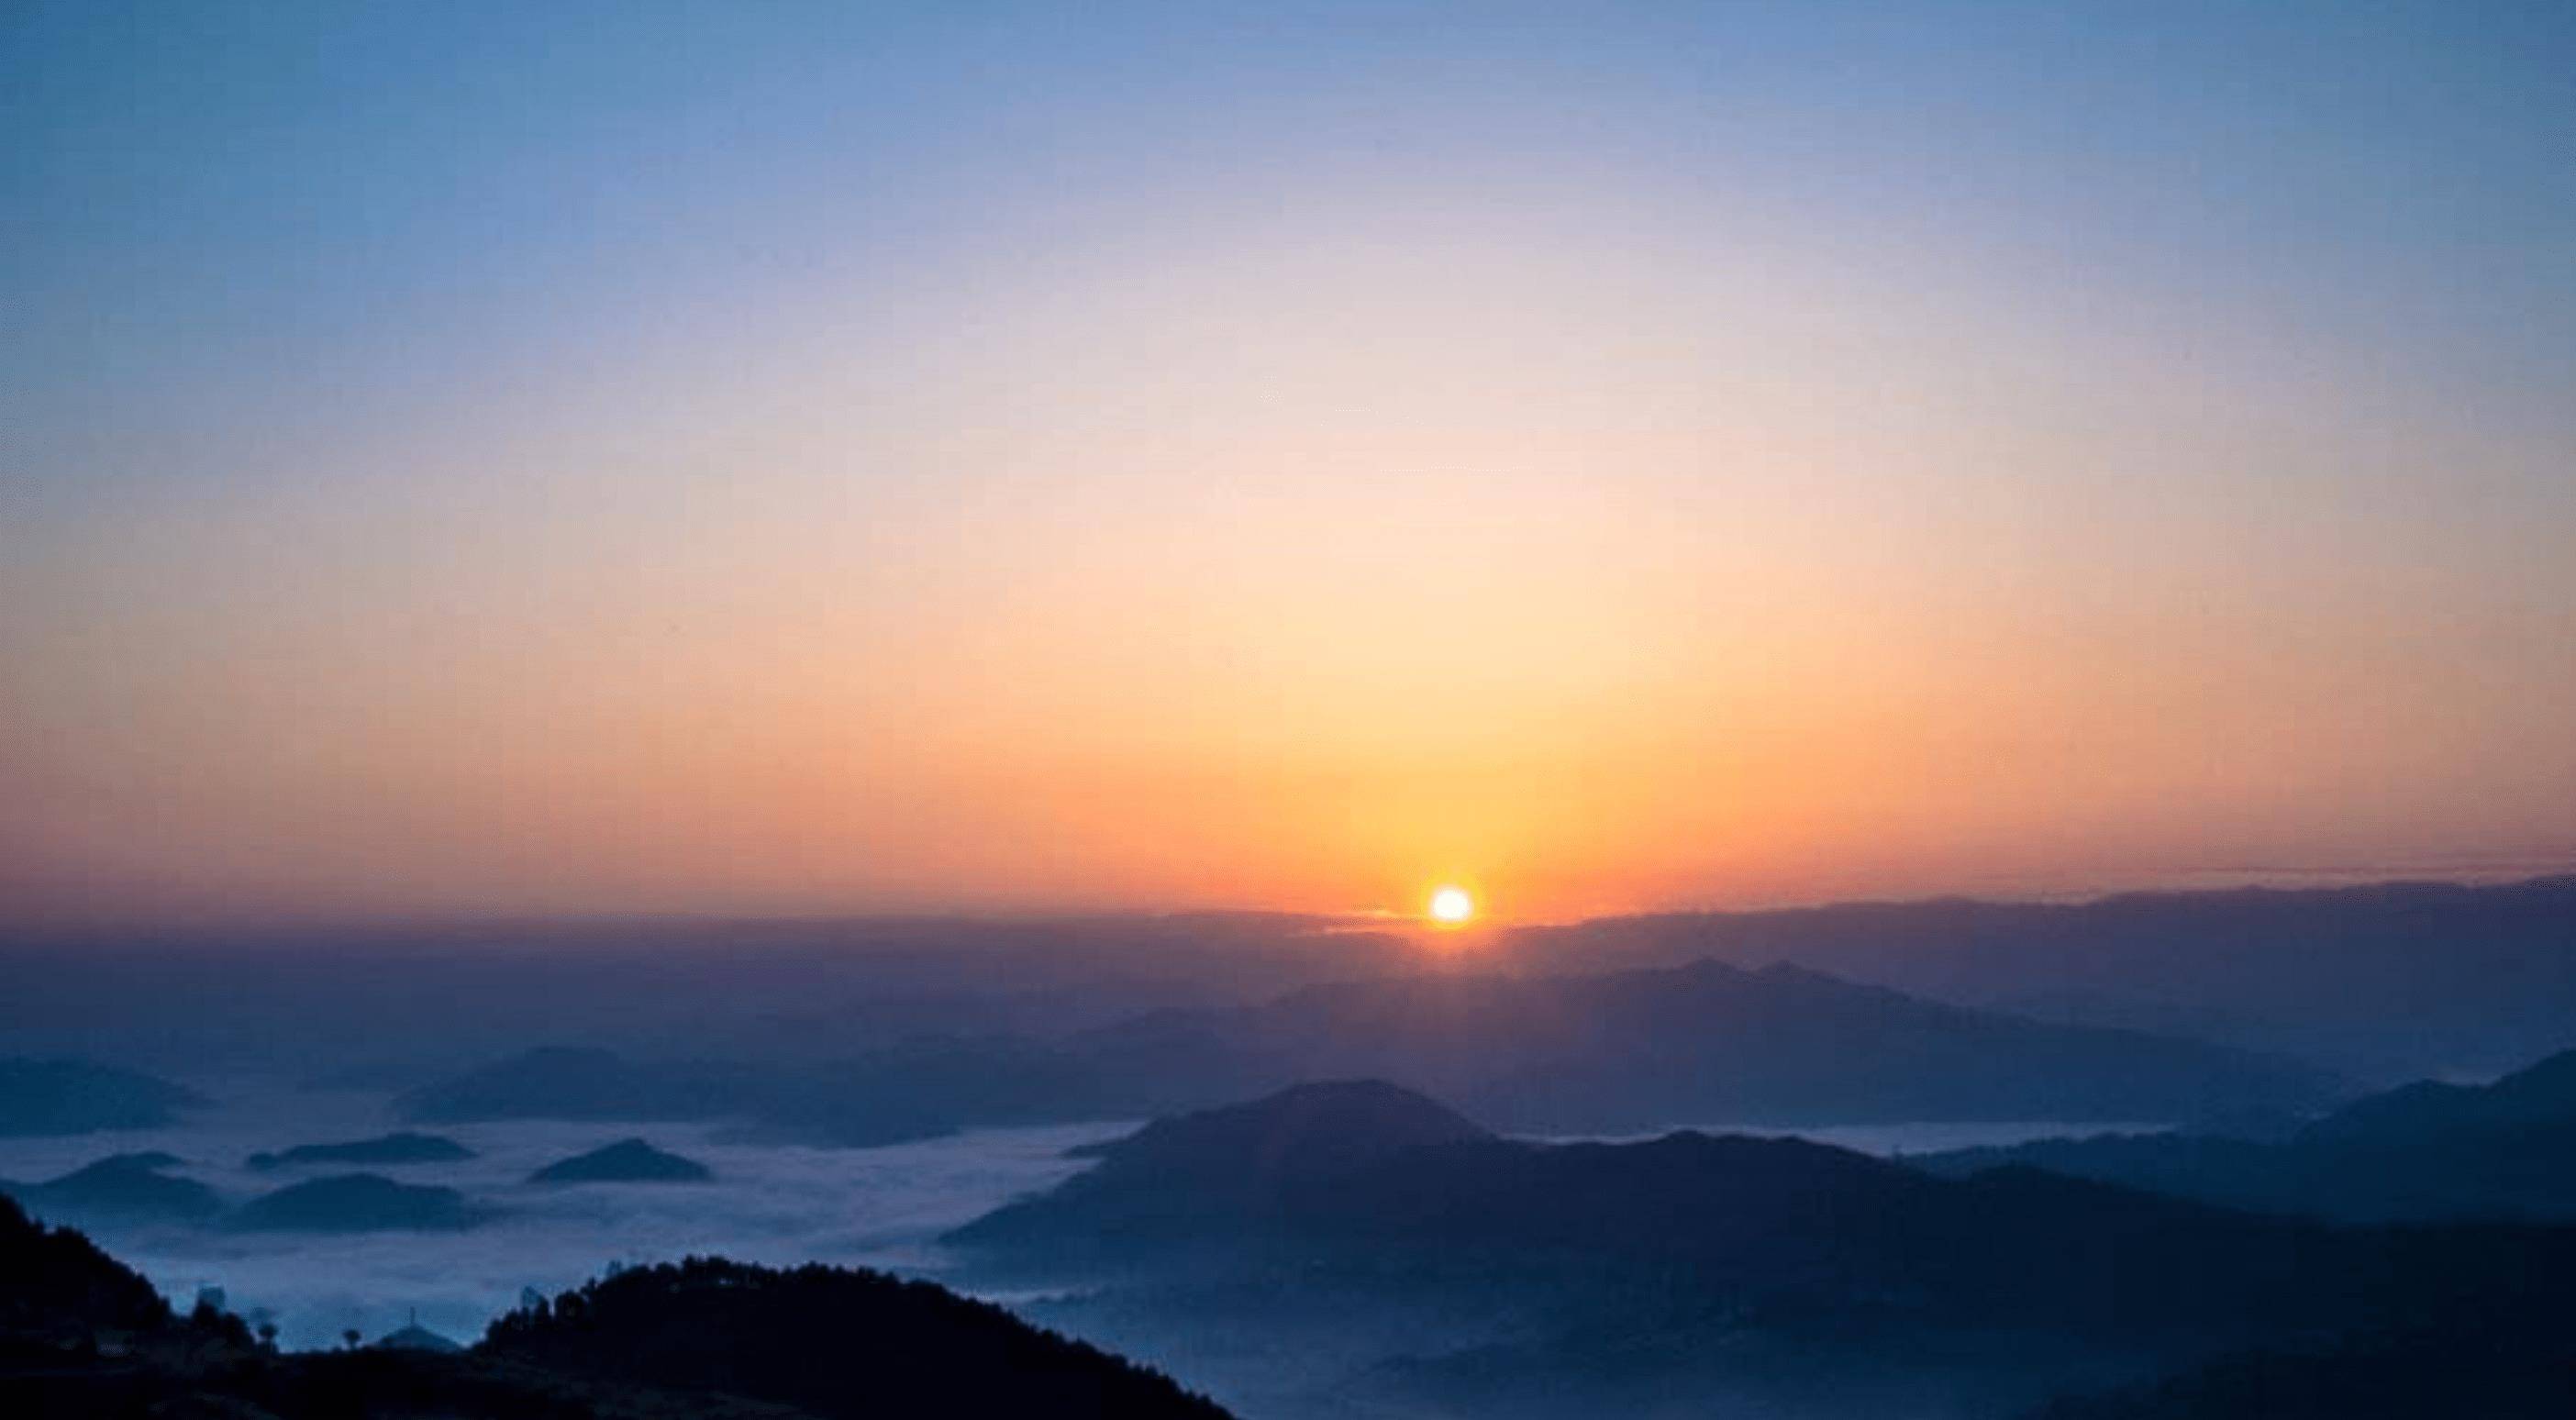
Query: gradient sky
[(515, 458)]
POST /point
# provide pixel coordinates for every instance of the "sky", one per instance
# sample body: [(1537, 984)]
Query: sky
[(502, 459)]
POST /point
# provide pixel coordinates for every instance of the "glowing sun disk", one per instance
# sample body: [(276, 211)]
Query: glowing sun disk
[(1452, 904)]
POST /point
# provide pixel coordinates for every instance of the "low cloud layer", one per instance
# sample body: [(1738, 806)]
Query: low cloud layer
[(776, 1204), (768, 1203)]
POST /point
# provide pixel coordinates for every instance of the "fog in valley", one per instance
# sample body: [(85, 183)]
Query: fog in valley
[(1646, 1165), (786, 1204)]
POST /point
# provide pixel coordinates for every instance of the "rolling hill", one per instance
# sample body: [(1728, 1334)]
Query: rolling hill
[(2424, 1151), (1780, 1275), (1704, 1043), (83, 1336)]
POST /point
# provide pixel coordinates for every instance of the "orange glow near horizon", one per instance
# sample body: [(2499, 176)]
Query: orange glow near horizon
[(1277, 536)]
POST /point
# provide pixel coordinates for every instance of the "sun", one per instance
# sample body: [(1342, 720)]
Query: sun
[(1452, 905)]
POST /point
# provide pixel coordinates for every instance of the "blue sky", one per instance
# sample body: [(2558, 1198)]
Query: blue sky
[(2240, 331)]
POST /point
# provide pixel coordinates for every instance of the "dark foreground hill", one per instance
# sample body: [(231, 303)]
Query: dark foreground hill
[(2426, 1151), (1778, 1275), (2491, 1368), (56, 1284), (82, 1336), (830, 1341), (73, 1097)]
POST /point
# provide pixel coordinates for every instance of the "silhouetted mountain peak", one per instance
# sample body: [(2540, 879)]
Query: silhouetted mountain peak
[(2551, 1083), (357, 1202), (121, 1188), (2540, 1096), (140, 1161), (416, 1337), (626, 1161), (381, 1151), (1304, 1129), (2422, 1151)]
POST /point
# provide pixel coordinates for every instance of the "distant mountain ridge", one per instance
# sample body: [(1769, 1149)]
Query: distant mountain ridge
[(2385, 982), (856, 1104), (1605, 1053), (383, 1151), (1704, 1043), (39, 1097), (2541, 1095), (2422, 1151), (2382, 980), (567, 1082)]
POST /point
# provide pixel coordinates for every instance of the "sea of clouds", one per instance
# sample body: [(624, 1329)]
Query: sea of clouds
[(772, 1203), (881, 1207)]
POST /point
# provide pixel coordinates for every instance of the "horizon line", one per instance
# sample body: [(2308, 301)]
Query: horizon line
[(1356, 921)]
